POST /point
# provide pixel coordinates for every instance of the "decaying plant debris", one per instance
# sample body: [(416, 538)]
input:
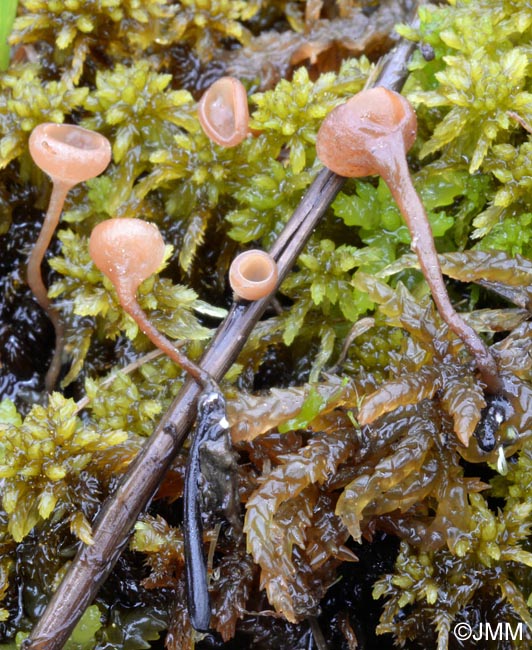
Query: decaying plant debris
[(373, 508)]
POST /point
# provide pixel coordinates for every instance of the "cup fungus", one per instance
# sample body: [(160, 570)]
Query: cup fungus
[(223, 112), (128, 251), (69, 154), (253, 275), (370, 134)]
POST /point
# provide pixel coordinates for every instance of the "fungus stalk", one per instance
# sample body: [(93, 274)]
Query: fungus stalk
[(132, 307), (70, 155), (370, 134), (35, 281)]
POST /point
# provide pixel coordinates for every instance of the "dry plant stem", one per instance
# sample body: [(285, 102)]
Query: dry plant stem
[(398, 179), (34, 275), (394, 65), (515, 116), (92, 564)]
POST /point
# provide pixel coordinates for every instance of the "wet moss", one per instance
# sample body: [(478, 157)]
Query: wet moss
[(353, 439)]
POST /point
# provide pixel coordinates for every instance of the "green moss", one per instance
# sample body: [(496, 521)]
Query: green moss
[(130, 104), (82, 637), (26, 102), (480, 85), (496, 82), (443, 588), (204, 23), (43, 461), (293, 111), (511, 166), (75, 28)]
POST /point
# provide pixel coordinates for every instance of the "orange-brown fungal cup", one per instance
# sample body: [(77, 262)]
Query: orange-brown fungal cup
[(69, 154), (253, 275), (128, 251), (223, 112), (370, 134)]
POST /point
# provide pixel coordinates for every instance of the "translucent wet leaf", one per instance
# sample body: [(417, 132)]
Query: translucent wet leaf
[(291, 408), (268, 540)]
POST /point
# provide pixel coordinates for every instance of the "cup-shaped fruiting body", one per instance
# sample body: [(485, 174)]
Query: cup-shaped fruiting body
[(69, 154), (127, 251), (253, 275), (223, 112), (371, 134), (355, 138)]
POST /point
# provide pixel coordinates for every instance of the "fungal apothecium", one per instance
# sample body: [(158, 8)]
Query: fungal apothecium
[(70, 155), (127, 251), (223, 112), (253, 275), (370, 134)]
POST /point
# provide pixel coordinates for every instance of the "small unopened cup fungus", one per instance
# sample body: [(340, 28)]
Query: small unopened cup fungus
[(253, 275)]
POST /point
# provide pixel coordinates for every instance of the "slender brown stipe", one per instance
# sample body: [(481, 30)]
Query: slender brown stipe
[(128, 251), (370, 134), (70, 155), (223, 112)]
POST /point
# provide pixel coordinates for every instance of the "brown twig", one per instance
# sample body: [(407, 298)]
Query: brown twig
[(92, 564)]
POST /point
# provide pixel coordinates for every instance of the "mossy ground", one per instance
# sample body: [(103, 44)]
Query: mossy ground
[(365, 450)]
